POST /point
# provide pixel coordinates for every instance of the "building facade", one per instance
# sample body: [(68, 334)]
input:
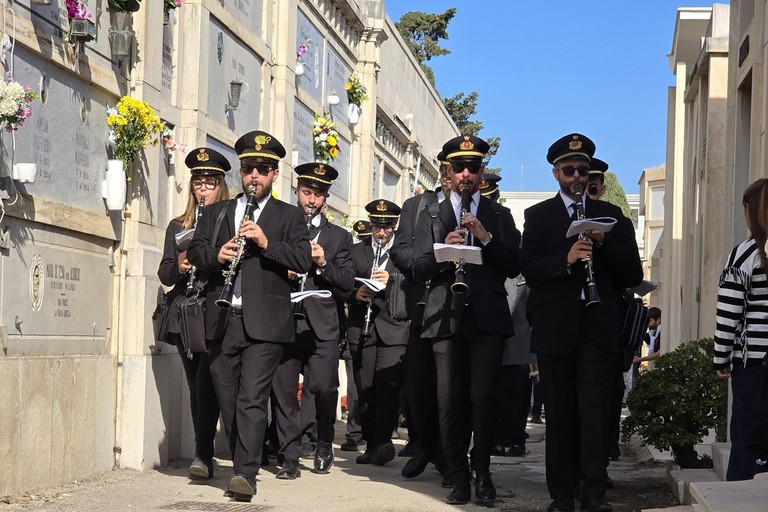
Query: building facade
[(85, 386)]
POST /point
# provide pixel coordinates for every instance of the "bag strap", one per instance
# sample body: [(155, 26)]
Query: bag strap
[(219, 220)]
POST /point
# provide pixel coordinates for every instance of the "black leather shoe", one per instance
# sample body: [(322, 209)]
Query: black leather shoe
[(536, 420), (516, 450), (200, 469), (614, 453), (383, 454), (485, 491), (609, 483), (289, 471), (498, 450), (323, 457), (367, 456), (459, 495), (395, 434), (597, 505), (242, 488), (561, 504), (415, 466), (446, 482), (350, 445), (409, 450)]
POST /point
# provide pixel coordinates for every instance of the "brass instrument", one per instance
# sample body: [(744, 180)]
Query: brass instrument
[(299, 311), (230, 274), (366, 332), (460, 286), (592, 297), (192, 279)]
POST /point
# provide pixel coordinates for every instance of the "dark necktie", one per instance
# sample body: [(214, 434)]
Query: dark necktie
[(237, 290)]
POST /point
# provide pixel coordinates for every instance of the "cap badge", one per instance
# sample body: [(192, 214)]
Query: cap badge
[(260, 140), (466, 143), (320, 170), (360, 226), (202, 156), (483, 185), (575, 144), (381, 206)]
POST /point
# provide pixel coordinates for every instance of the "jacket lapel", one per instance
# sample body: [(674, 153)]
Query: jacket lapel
[(269, 209), (447, 216)]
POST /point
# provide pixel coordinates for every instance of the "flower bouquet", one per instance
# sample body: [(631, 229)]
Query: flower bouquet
[(81, 24), (356, 91), (325, 140), (168, 6), (169, 141), (15, 104), (301, 50), (132, 126)]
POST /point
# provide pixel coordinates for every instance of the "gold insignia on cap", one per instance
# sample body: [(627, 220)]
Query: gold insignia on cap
[(202, 155), (320, 170), (260, 140), (466, 143), (575, 143), (483, 185), (381, 206), (360, 226)]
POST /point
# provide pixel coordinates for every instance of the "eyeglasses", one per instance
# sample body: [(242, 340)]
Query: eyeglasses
[(569, 170), (263, 169), (380, 227), (472, 167), (209, 184)]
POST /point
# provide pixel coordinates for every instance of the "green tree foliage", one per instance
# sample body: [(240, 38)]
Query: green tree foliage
[(461, 108), (676, 403), (422, 33), (614, 194)]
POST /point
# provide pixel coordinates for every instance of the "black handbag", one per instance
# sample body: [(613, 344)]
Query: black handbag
[(160, 320), (635, 324), (193, 324)]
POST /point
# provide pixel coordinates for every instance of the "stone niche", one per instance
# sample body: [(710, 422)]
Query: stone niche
[(250, 12)]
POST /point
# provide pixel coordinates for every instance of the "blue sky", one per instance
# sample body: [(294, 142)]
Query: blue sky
[(546, 69)]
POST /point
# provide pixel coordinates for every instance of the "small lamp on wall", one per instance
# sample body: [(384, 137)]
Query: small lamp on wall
[(333, 99), (235, 88)]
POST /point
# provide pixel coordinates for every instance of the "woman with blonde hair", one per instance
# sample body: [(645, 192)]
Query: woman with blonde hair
[(206, 186), (741, 335)]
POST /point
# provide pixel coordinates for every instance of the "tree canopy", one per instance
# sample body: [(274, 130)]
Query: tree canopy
[(614, 194)]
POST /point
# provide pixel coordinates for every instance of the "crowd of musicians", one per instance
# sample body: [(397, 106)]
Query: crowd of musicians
[(405, 317)]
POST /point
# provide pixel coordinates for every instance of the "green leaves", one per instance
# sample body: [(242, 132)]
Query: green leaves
[(124, 5)]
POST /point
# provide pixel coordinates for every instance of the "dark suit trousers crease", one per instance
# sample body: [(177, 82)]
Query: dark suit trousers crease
[(420, 384), (319, 360), (242, 369), (354, 431), (505, 397), (202, 400), (378, 375), (577, 388), (468, 367)]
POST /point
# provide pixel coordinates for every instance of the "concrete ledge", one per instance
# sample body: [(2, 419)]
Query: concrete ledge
[(721, 452), (680, 481), (744, 496), (681, 508)]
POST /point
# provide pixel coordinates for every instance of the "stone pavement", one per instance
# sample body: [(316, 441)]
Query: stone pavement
[(520, 482)]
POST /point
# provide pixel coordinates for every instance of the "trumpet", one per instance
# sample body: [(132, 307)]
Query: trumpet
[(460, 286), (230, 274), (192, 279), (299, 311), (366, 332), (592, 297)]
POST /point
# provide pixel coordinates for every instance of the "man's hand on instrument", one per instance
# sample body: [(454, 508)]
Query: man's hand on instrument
[(253, 232), (227, 251), (184, 264), (293, 276), (580, 251), (455, 237), (364, 294), (597, 236), (381, 276), (475, 227), (318, 254)]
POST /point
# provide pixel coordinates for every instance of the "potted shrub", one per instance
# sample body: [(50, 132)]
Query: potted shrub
[(675, 404)]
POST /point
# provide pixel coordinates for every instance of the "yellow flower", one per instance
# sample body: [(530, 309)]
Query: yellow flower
[(332, 140), (334, 151), (349, 85)]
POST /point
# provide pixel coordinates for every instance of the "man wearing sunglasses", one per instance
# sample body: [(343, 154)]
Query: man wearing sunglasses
[(467, 331), (246, 340), (576, 344)]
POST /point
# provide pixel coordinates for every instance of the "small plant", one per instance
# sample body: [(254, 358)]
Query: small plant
[(302, 50), (77, 9), (676, 403), (356, 91), (325, 139), (15, 104), (124, 5), (132, 126)]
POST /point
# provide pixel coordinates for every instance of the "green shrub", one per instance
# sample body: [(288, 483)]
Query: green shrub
[(675, 404)]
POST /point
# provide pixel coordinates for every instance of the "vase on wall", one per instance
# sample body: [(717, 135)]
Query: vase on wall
[(114, 187), (298, 69), (353, 113), (121, 35), (24, 172)]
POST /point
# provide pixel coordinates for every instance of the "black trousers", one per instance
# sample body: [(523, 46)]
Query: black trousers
[(354, 431), (319, 361), (420, 385), (507, 394), (378, 370), (202, 400), (577, 388), (467, 370), (242, 369)]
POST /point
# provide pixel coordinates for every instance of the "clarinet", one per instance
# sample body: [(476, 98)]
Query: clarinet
[(192, 279), (460, 286), (299, 311), (366, 332), (230, 274), (592, 297)]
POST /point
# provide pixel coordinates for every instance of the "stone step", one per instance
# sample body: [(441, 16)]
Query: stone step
[(681, 508), (680, 481), (745, 496)]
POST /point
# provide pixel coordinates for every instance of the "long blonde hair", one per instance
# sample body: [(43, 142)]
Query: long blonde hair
[(188, 217), (755, 201)]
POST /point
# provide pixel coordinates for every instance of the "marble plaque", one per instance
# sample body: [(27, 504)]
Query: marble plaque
[(67, 136), (342, 164), (311, 81), (237, 62), (56, 284), (337, 72), (303, 120), (167, 71), (250, 12), (232, 178)]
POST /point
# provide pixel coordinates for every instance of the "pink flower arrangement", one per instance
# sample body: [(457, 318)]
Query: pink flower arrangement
[(302, 49), (77, 9), (170, 142), (15, 104)]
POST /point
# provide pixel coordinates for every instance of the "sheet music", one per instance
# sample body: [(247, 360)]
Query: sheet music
[(644, 288), (299, 296), (603, 224), (370, 283), (183, 238), (452, 252)]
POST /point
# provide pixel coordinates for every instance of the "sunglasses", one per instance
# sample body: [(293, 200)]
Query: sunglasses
[(569, 170), (263, 169), (472, 167)]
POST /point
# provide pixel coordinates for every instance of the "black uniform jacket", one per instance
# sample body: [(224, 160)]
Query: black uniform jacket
[(170, 275), (487, 295), (267, 309), (554, 303)]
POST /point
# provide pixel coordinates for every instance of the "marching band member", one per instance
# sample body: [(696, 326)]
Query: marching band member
[(246, 339)]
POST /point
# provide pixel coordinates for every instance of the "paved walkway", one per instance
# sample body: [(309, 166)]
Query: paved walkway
[(350, 487)]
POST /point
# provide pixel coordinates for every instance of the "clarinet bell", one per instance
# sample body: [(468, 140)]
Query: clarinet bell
[(299, 312), (459, 286), (225, 298), (593, 299)]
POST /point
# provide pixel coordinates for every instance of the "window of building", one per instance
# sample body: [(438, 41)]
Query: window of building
[(657, 204)]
